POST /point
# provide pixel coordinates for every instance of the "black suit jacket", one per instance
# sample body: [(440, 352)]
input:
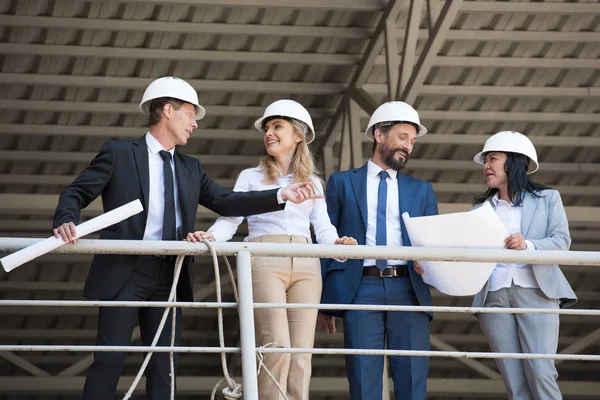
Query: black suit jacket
[(120, 174)]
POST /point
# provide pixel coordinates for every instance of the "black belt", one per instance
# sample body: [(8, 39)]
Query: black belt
[(170, 259), (389, 272)]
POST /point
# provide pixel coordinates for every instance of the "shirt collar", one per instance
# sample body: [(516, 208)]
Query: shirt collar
[(154, 146), (373, 170), (496, 200)]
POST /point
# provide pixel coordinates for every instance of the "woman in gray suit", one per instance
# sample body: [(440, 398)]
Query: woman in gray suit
[(535, 219)]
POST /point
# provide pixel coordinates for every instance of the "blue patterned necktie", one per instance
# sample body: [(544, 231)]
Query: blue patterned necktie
[(381, 227)]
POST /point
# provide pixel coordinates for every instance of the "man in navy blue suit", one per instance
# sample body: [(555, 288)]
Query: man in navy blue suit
[(367, 203)]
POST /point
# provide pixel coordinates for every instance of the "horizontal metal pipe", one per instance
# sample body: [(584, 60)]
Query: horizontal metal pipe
[(588, 258), (165, 304), (330, 351)]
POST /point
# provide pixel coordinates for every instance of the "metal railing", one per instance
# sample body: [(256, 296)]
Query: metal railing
[(244, 251)]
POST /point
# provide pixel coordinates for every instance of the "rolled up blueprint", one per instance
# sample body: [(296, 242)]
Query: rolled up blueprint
[(112, 217)]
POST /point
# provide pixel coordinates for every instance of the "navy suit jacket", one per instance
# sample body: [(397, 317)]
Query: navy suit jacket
[(120, 174), (346, 196)]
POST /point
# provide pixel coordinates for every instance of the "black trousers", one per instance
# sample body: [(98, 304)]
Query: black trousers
[(151, 280)]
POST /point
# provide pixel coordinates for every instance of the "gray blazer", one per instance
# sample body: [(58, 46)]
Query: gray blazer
[(544, 223)]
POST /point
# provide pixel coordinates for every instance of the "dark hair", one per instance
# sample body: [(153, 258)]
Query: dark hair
[(386, 127), (156, 108), (518, 181)]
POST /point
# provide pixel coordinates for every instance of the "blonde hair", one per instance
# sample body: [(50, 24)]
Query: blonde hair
[(303, 165)]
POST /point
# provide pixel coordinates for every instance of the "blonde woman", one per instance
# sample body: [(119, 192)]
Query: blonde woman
[(288, 129)]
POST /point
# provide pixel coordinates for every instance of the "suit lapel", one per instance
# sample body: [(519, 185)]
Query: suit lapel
[(140, 153), (529, 206), (359, 185), (405, 197), (183, 176)]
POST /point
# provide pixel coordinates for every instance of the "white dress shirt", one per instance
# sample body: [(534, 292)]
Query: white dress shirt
[(156, 192), (295, 219), (393, 228), (505, 274)]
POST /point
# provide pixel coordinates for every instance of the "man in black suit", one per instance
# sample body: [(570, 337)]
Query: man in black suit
[(170, 185)]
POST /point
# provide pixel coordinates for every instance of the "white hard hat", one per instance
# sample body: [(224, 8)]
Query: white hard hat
[(289, 109), (394, 112), (510, 142), (170, 86)]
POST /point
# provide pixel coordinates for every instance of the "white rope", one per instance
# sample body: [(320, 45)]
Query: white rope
[(172, 299), (233, 390), (261, 364)]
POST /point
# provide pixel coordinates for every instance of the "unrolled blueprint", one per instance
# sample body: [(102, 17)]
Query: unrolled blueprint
[(479, 228)]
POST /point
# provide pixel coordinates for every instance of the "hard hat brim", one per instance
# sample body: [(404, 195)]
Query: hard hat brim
[(370, 132), (533, 165), (200, 111), (258, 124)]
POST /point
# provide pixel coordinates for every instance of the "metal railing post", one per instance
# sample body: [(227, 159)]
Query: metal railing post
[(247, 339)]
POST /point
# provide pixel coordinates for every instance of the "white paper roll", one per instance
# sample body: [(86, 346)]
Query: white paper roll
[(112, 217)]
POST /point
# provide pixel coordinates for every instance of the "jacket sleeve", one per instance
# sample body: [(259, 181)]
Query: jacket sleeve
[(431, 205), (558, 237), (86, 187), (228, 203)]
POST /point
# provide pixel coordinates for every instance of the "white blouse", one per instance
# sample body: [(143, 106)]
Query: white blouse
[(294, 219), (505, 274)]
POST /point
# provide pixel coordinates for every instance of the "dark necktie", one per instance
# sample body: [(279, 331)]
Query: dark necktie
[(381, 227), (169, 229)]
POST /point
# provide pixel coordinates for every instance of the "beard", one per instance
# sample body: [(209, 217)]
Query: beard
[(388, 155)]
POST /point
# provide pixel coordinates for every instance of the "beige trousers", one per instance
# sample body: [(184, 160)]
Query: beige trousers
[(285, 280)]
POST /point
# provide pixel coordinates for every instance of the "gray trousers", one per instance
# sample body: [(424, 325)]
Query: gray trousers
[(524, 333)]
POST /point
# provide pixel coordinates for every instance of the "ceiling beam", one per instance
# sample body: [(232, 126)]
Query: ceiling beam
[(250, 134), (430, 51), (146, 26), (281, 58), (248, 161), (90, 334), (123, 25), (510, 62), (84, 157), (132, 108), (122, 132), (315, 88), (23, 203), (581, 344), (35, 79), (494, 91), (360, 74), (438, 344), (319, 385), (347, 5), (137, 53), (538, 140), (253, 111), (23, 364), (535, 8)]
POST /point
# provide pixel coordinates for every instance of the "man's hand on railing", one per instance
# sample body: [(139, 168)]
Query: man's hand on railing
[(346, 240), (67, 232), (417, 267), (326, 323), (200, 236)]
